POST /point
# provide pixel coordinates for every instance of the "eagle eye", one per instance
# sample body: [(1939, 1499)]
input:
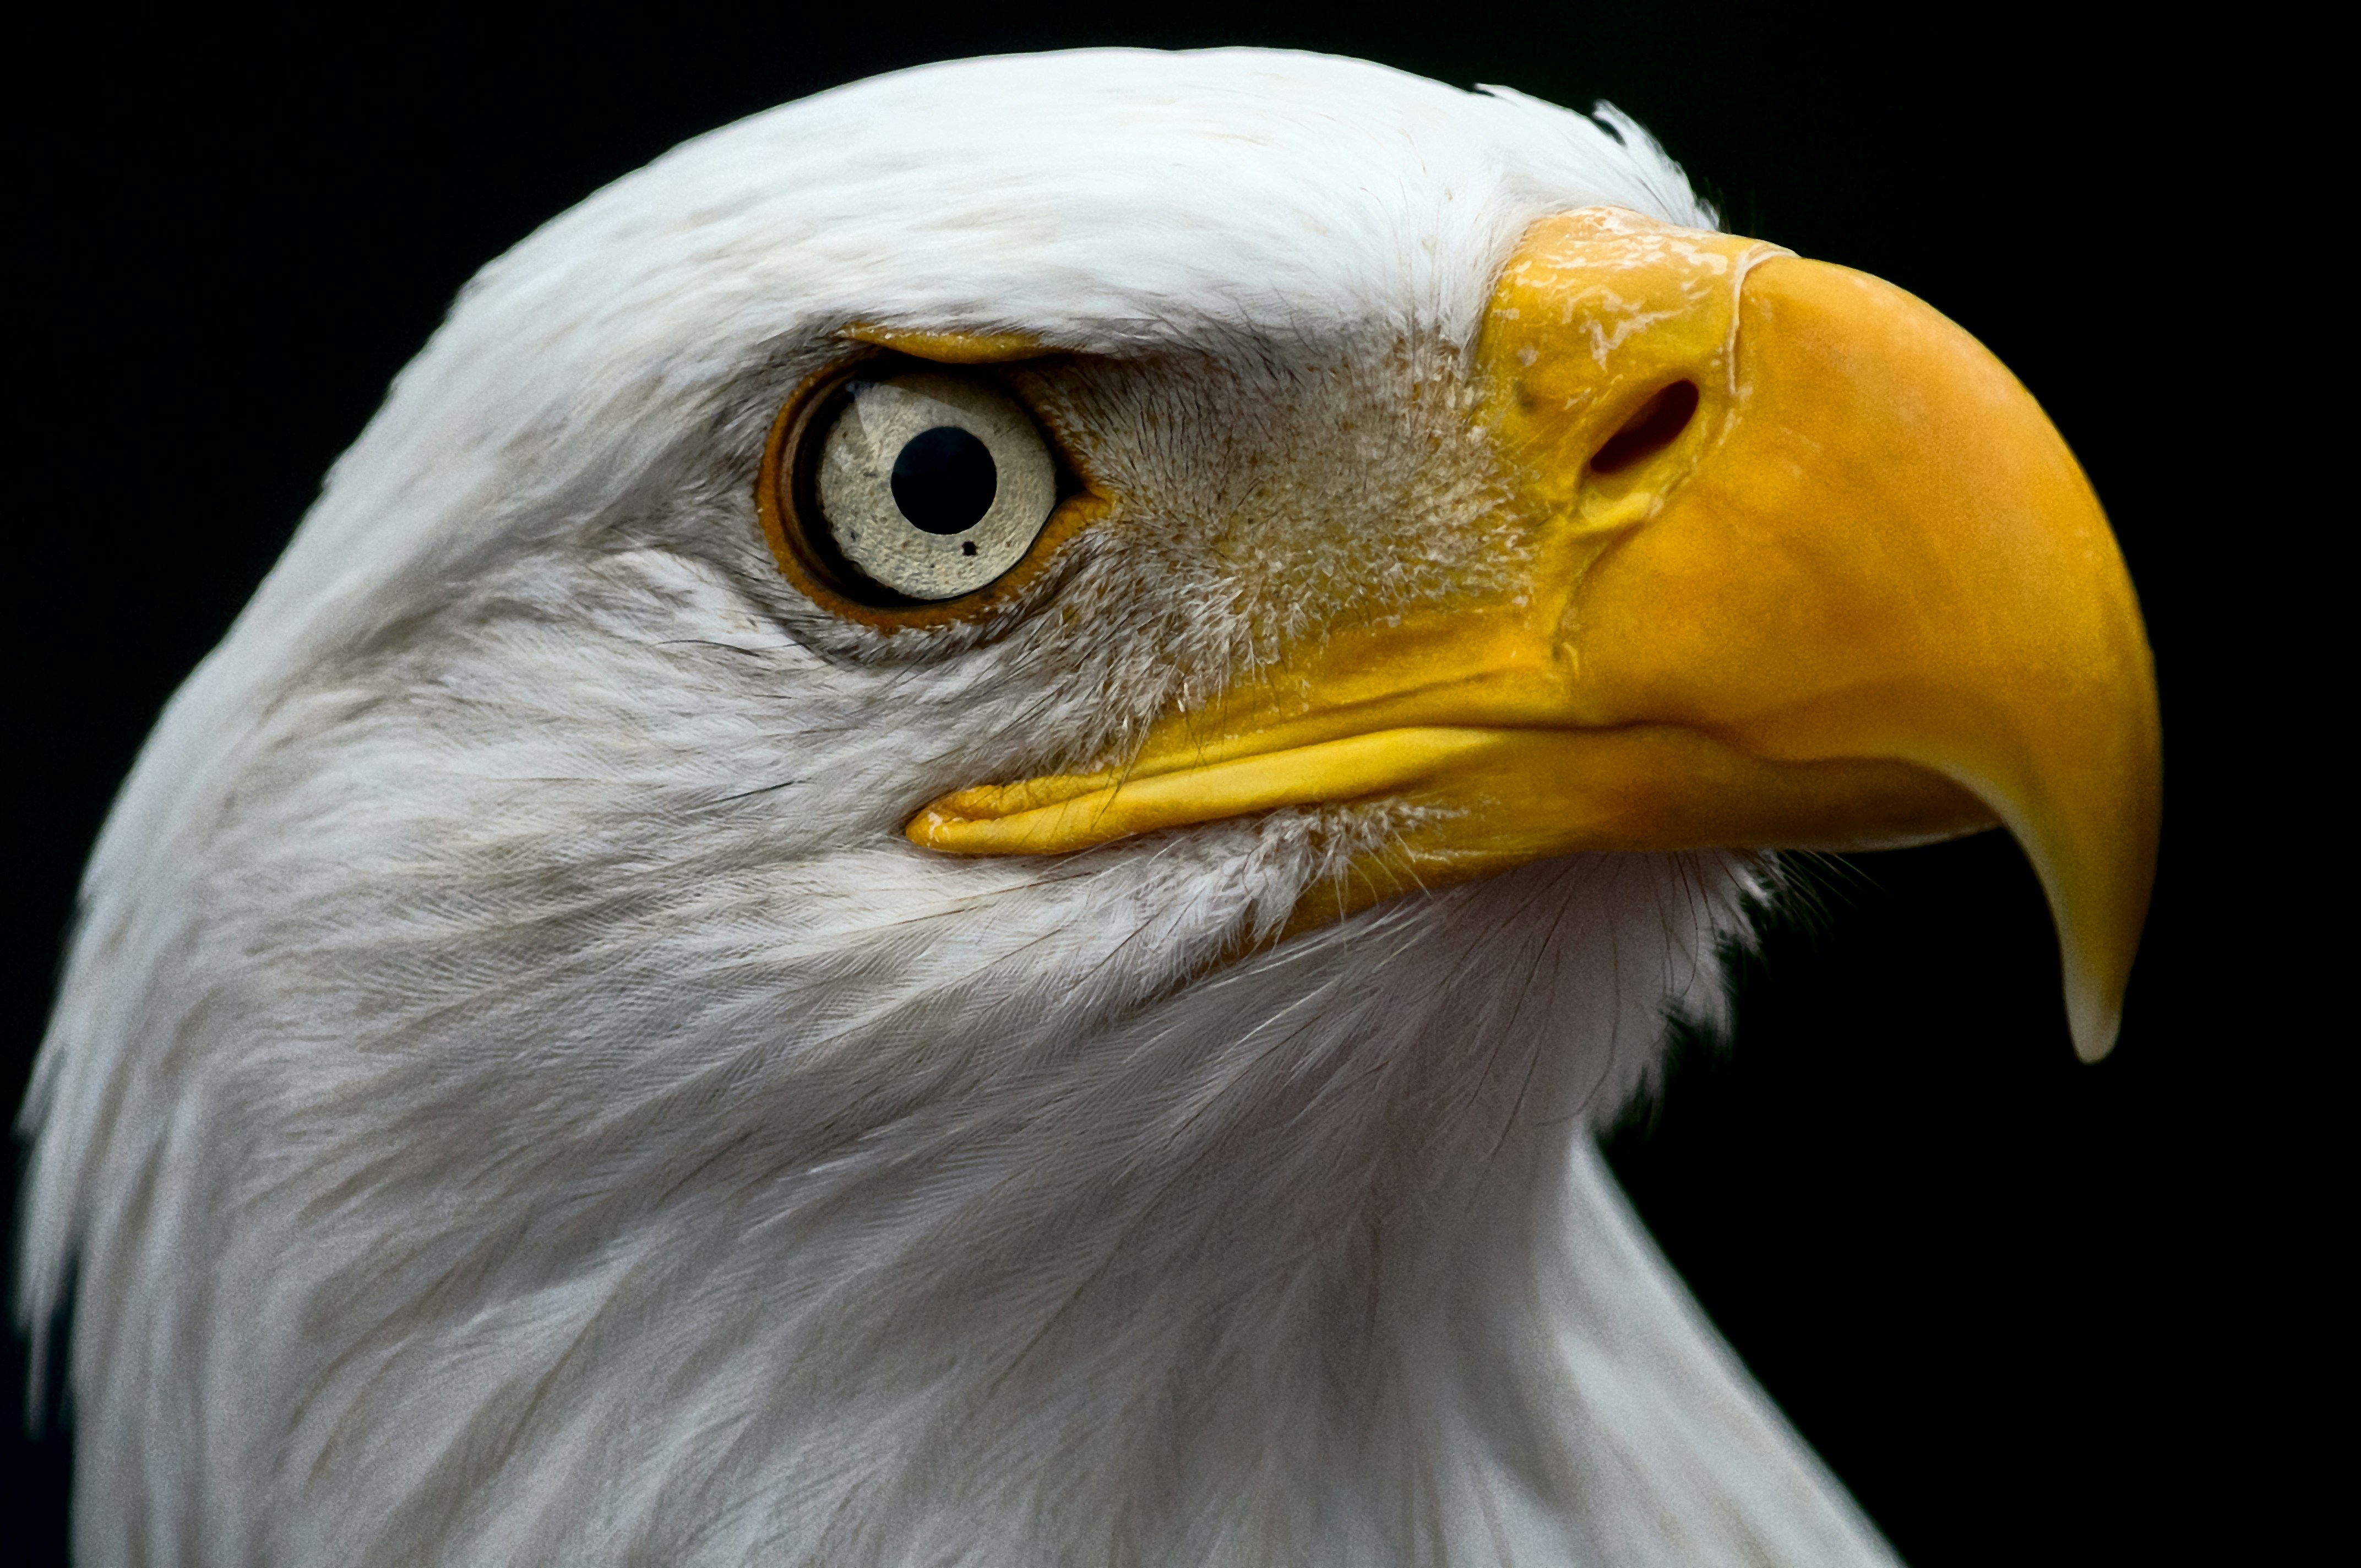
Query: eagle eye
[(915, 487)]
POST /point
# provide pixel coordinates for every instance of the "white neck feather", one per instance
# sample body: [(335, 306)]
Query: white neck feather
[(1312, 1262)]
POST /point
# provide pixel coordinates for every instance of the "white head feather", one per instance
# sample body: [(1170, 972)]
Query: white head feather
[(516, 1096)]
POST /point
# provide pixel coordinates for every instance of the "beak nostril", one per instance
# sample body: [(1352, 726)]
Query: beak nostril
[(1654, 427)]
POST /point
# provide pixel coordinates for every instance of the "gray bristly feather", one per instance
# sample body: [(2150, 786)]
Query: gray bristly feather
[(516, 1097)]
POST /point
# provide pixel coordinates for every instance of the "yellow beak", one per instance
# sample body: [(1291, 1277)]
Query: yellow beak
[(1804, 566)]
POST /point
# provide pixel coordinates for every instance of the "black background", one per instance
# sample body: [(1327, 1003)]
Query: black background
[(2010, 1299)]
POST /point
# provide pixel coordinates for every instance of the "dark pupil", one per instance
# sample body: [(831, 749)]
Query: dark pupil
[(944, 480)]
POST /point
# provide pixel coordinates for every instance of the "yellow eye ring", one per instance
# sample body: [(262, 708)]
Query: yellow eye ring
[(804, 543)]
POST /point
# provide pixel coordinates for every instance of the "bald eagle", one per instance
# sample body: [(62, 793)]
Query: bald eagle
[(940, 849)]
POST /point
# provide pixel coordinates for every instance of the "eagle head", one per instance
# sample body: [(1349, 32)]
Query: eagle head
[(940, 848)]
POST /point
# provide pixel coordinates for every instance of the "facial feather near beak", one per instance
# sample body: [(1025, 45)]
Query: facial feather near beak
[(1810, 569)]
